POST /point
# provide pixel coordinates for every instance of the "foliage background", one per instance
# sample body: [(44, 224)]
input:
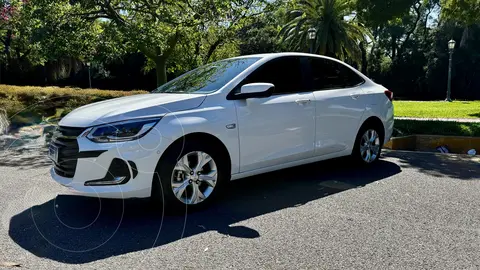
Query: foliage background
[(129, 43)]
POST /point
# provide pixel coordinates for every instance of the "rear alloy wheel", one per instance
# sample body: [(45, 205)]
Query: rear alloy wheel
[(370, 146), (194, 177)]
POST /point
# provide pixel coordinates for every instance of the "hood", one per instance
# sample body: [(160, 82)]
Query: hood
[(130, 107)]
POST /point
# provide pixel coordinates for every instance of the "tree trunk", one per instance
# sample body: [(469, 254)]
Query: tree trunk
[(160, 57), (465, 35), (425, 29), (161, 70), (8, 41), (212, 49), (394, 47), (194, 64), (364, 57)]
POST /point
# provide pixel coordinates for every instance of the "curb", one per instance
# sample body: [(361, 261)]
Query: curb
[(460, 157), (429, 143), (456, 120)]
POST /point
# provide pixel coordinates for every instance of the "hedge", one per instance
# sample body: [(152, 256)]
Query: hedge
[(33, 104), (427, 127)]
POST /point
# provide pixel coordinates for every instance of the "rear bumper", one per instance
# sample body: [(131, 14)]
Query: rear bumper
[(389, 123)]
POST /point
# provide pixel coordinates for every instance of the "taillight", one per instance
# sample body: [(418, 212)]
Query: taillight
[(389, 94)]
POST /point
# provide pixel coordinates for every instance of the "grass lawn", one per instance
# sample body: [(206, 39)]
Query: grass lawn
[(411, 127), (437, 109)]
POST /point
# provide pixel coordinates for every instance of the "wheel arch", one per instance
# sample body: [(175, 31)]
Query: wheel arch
[(200, 136), (373, 121), (159, 192)]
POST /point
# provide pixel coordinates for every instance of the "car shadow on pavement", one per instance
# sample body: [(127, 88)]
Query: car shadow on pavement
[(439, 165), (77, 230)]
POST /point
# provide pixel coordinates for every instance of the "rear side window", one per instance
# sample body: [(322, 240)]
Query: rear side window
[(285, 73), (327, 74)]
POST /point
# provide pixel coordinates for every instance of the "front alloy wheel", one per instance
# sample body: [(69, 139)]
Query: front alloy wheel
[(194, 177), (190, 175)]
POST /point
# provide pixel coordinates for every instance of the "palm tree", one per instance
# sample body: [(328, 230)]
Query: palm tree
[(337, 32)]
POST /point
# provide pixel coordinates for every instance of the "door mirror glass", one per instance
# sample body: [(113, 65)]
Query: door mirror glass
[(255, 90)]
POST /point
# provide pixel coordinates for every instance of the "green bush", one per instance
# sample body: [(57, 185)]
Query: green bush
[(411, 127), (32, 104)]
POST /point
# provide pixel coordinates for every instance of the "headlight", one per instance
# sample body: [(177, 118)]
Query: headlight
[(121, 131)]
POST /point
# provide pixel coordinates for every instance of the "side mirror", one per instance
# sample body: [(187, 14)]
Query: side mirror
[(255, 90)]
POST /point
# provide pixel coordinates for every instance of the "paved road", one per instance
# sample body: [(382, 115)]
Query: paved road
[(410, 211)]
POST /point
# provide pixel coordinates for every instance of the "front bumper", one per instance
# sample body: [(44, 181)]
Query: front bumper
[(113, 192), (143, 154)]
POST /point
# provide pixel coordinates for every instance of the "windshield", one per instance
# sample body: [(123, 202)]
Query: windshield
[(207, 79)]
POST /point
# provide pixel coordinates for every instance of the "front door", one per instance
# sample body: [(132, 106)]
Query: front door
[(281, 128)]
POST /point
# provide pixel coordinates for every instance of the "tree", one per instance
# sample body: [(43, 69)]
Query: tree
[(338, 33), (233, 16), (464, 12), (393, 22), (152, 27), (54, 39), (156, 27), (10, 21), (467, 12), (375, 13), (261, 34)]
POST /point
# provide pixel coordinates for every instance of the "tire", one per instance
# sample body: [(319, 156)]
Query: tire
[(368, 152), (196, 189)]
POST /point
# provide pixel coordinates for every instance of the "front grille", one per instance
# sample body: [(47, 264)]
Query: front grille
[(65, 140)]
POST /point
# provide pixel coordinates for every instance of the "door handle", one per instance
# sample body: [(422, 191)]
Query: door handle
[(302, 101), (354, 96)]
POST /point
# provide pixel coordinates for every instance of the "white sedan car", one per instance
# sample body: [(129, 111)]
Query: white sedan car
[(227, 120)]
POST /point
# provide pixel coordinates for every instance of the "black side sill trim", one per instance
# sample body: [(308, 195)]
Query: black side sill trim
[(90, 154)]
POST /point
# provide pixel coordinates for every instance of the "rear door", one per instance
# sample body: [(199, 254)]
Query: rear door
[(339, 103)]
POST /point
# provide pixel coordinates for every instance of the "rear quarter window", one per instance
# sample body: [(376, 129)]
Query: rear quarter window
[(327, 74)]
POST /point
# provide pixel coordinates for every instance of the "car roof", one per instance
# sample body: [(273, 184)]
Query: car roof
[(275, 55)]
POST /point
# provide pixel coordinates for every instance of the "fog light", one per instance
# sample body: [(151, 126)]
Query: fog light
[(118, 174)]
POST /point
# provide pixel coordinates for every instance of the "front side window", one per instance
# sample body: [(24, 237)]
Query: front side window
[(207, 79), (328, 74), (285, 73)]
